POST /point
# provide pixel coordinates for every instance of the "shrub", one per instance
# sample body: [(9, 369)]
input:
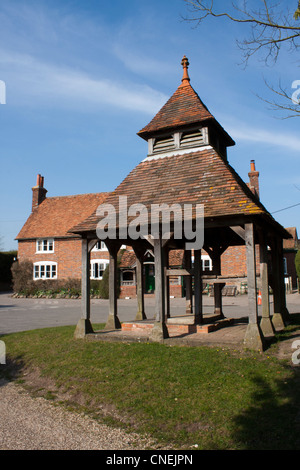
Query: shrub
[(22, 277), (23, 284), (6, 261), (104, 284)]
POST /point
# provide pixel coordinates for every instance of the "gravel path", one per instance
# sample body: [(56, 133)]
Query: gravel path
[(29, 423)]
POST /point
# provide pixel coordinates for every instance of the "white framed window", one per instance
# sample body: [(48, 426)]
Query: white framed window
[(45, 270), (45, 245), (98, 267), (100, 246), (206, 263)]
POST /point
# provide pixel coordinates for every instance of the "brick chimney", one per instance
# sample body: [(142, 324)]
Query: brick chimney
[(38, 192), (253, 179)]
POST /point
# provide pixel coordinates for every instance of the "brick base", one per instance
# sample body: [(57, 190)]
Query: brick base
[(177, 329)]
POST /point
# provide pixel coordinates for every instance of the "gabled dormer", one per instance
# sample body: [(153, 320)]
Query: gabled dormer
[(184, 123)]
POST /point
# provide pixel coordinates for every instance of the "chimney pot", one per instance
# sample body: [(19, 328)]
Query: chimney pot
[(38, 192), (253, 179)]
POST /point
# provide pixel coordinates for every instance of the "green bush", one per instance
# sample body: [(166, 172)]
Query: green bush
[(6, 261), (23, 284), (22, 277), (104, 284)]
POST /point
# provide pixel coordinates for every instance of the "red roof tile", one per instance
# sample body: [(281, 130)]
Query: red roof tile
[(292, 243), (200, 177), (56, 215), (182, 109)]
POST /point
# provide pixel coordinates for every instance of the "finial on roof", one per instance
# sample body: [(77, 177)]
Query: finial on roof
[(185, 63)]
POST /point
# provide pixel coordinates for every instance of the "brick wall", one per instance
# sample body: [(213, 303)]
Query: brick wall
[(234, 262), (67, 255)]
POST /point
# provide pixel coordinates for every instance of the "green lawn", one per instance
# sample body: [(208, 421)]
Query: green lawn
[(182, 396)]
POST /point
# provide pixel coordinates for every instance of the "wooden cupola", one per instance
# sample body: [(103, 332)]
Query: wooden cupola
[(184, 123)]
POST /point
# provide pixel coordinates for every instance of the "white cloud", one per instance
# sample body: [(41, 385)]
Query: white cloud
[(250, 134), (33, 82)]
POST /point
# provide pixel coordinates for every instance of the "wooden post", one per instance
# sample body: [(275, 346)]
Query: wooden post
[(278, 316), (84, 324), (265, 323), (113, 321), (284, 310), (140, 288), (253, 337), (198, 287), (159, 330), (188, 283), (166, 281), (218, 286)]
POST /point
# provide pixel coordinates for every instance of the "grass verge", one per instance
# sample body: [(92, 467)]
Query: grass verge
[(186, 397)]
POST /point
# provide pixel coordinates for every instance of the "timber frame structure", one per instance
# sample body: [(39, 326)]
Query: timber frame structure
[(187, 164)]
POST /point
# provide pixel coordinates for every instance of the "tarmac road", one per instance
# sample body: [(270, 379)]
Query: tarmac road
[(28, 314)]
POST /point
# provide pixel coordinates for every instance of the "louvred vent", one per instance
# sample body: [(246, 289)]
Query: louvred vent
[(163, 145), (192, 139)]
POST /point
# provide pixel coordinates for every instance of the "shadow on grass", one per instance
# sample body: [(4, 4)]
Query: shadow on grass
[(11, 370), (272, 422)]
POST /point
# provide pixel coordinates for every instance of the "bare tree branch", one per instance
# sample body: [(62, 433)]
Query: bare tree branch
[(270, 27), (285, 102)]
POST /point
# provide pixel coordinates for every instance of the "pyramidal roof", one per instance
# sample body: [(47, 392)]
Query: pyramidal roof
[(199, 176), (183, 109)]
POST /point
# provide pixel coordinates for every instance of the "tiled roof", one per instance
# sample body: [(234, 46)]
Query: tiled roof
[(292, 243), (200, 177), (184, 108), (128, 259), (56, 215)]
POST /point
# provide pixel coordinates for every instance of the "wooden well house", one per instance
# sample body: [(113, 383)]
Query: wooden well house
[(187, 165)]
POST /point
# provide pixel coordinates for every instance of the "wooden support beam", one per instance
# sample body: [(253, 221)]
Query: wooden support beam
[(198, 287), (265, 323), (279, 316), (218, 286), (166, 281), (113, 321), (239, 231), (179, 272), (84, 325), (253, 337), (140, 287), (284, 310), (159, 330), (188, 282)]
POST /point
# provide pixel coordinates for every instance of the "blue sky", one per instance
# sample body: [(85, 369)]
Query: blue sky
[(83, 77)]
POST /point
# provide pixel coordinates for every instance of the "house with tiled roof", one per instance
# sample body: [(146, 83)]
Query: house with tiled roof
[(187, 164), (45, 239)]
